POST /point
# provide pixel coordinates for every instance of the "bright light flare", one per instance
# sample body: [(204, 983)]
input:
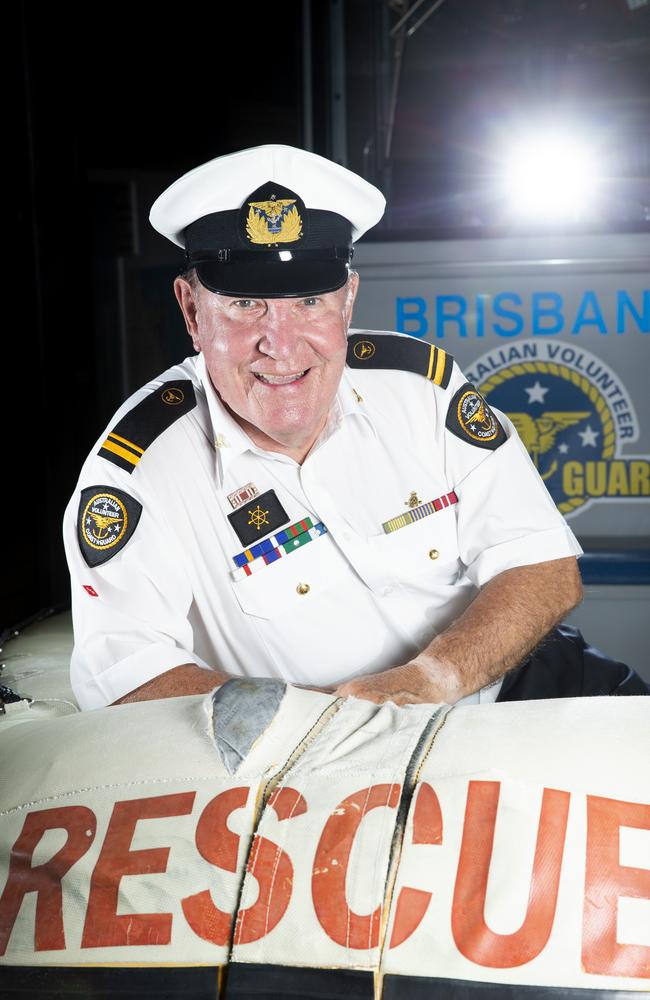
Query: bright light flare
[(551, 178)]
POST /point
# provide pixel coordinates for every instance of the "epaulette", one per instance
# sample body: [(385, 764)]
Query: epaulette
[(127, 442), (402, 353)]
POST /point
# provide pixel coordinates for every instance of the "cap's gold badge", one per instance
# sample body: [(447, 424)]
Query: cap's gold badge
[(364, 350), (274, 221), (413, 500), (258, 517), (173, 396)]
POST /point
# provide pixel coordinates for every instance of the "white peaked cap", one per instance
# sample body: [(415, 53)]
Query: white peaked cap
[(222, 184)]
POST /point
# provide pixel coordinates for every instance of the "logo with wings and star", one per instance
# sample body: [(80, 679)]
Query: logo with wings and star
[(105, 520), (274, 221), (573, 414)]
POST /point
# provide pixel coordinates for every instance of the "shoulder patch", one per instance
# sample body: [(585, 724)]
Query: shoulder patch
[(127, 442), (401, 353), (106, 521), (470, 418)]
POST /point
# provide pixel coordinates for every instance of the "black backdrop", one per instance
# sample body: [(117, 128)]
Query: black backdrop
[(108, 104)]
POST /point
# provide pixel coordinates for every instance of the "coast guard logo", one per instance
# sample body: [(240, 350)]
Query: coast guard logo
[(476, 417), (107, 519), (574, 416), (172, 396), (364, 350)]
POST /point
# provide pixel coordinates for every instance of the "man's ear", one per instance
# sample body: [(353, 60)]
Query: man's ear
[(351, 288), (187, 299)]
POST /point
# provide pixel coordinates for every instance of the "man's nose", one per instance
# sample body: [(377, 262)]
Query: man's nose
[(279, 330)]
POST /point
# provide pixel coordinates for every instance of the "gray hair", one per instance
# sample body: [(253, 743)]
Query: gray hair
[(192, 278)]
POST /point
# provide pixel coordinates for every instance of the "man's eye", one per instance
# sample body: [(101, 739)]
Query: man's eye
[(245, 303), (311, 301)]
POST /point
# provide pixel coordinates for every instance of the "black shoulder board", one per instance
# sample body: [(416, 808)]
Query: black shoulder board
[(132, 435), (365, 350)]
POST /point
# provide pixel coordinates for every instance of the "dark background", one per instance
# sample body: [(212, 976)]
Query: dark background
[(110, 104)]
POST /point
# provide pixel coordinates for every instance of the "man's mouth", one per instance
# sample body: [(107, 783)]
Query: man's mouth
[(279, 379)]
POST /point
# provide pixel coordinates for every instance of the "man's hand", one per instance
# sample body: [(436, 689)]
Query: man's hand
[(496, 632), (411, 684)]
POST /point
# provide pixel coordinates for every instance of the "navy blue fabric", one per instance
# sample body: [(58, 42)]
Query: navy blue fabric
[(565, 666), (615, 566)]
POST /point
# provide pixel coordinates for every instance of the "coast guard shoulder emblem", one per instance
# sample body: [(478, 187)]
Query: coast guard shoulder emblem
[(470, 418), (107, 519)]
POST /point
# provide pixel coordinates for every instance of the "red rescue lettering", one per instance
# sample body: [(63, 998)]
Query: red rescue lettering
[(103, 927), (272, 868), (220, 846), (473, 937), (605, 881), (340, 923), (80, 825), (427, 829)]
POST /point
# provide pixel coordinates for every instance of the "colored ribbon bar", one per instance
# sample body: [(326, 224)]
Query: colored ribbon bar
[(417, 513), (271, 553), (264, 547)]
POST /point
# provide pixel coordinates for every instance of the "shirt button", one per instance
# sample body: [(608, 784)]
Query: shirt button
[(303, 588), (433, 553)]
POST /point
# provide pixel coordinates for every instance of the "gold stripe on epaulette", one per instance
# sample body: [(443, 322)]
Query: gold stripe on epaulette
[(117, 449), (440, 366), (432, 356), (129, 444)]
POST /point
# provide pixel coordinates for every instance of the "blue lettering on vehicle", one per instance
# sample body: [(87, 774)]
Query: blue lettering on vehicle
[(451, 309), (547, 316), (409, 311), (509, 314)]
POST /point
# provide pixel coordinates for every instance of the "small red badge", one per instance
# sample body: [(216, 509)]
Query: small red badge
[(90, 590)]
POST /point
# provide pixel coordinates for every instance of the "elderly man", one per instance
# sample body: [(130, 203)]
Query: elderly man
[(341, 510)]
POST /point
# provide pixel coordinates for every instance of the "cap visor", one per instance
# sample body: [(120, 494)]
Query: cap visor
[(273, 280)]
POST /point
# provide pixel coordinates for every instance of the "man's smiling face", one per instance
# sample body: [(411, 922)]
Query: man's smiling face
[(275, 363)]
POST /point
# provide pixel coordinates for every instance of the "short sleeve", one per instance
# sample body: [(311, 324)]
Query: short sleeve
[(130, 610), (506, 516)]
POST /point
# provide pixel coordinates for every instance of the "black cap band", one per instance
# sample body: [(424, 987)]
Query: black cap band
[(272, 246), (226, 255)]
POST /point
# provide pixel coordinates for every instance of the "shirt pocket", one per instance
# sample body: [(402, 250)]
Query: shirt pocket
[(297, 582), (420, 552)]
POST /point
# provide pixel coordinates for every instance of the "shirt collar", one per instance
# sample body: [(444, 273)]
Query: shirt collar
[(348, 402), (230, 440)]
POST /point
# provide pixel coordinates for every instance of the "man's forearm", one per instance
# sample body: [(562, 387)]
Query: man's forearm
[(504, 622), (502, 625), (186, 679)]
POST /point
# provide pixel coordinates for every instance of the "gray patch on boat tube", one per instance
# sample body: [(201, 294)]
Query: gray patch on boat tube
[(242, 709)]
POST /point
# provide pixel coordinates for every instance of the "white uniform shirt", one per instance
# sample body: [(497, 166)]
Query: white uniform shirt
[(352, 600)]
